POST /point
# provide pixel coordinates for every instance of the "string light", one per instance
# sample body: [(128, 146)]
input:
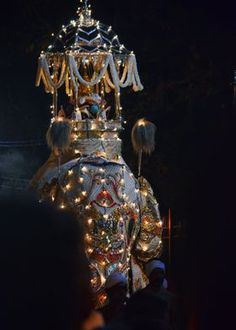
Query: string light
[(84, 169), (68, 186), (88, 237), (145, 248), (160, 224)]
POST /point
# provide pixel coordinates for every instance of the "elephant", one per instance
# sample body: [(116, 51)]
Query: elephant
[(120, 215)]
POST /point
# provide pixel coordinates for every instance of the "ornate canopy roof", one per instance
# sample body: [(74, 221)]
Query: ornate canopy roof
[(85, 34), (87, 54)]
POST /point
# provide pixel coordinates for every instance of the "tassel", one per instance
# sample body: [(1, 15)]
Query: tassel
[(143, 139), (59, 135), (143, 136)]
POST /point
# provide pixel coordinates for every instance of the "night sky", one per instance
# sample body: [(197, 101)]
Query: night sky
[(186, 53)]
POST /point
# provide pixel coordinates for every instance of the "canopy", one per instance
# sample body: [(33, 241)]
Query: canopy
[(84, 54)]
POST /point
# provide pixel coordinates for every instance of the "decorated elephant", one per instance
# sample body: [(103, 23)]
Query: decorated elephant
[(85, 172), (120, 216)]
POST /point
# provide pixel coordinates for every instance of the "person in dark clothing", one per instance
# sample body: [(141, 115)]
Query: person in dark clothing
[(116, 291), (44, 277), (146, 310), (155, 271)]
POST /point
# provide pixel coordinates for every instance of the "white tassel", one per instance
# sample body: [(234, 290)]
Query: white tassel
[(143, 136), (143, 139), (59, 135)]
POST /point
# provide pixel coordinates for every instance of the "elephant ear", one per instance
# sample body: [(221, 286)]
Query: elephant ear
[(143, 136), (59, 135), (143, 139)]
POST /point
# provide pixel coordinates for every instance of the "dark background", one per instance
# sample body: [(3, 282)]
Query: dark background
[(186, 55)]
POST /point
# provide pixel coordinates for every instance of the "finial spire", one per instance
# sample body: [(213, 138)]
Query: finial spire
[(84, 13), (85, 4)]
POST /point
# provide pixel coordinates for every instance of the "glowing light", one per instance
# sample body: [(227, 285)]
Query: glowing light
[(93, 281), (88, 238), (160, 224), (77, 200), (145, 247), (84, 169), (141, 122), (68, 186), (103, 280)]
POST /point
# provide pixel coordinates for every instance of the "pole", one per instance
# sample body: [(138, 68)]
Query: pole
[(169, 237), (234, 89)]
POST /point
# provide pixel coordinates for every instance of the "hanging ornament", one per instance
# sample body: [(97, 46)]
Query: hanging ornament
[(59, 135), (143, 139)]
